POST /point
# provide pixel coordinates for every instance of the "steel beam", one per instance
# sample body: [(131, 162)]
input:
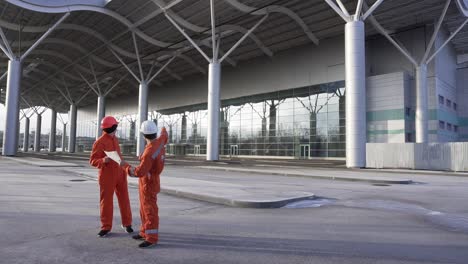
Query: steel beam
[(124, 64), (242, 39), (342, 7), (448, 40), (7, 44), (338, 10), (150, 79), (47, 33), (436, 31), (213, 30), (371, 9), (188, 37), (394, 43), (137, 53)]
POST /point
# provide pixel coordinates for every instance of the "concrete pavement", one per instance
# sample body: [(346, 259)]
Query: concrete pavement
[(232, 190), (232, 194), (238, 194), (41, 162), (50, 217), (330, 174)]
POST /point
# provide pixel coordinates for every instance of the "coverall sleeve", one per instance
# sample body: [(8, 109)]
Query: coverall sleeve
[(161, 157), (97, 156), (145, 165), (163, 137)]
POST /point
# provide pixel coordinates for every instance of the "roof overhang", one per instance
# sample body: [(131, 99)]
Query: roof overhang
[(80, 52)]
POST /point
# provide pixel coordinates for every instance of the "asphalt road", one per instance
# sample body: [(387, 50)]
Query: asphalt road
[(49, 217)]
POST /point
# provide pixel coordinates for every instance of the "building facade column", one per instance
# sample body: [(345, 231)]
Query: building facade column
[(37, 136), (142, 116), (421, 123), (53, 131), (183, 131), (10, 136), (72, 138), (64, 137), (214, 84), (356, 127), (26, 135), (101, 112)]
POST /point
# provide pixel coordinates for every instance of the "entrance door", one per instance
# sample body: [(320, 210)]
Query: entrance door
[(196, 149), (234, 150), (305, 151)]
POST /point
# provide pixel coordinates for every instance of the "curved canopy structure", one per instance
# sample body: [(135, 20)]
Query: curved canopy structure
[(67, 54), (95, 29)]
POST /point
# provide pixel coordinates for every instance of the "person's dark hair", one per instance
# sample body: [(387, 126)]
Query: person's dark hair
[(110, 129), (150, 136)]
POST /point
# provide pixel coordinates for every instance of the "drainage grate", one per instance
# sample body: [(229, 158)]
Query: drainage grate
[(77, 180)]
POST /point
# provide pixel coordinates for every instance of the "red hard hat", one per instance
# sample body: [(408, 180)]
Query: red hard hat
[(108, 122)]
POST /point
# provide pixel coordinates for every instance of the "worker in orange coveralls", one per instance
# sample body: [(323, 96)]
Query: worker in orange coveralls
[(112, 178), (151, 166)]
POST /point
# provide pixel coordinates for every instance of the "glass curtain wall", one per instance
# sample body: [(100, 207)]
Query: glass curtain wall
[(301, 123)]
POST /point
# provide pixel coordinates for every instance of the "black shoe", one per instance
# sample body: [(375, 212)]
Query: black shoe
[(146, 244), (138, 237), (103, 233), (128, 229)]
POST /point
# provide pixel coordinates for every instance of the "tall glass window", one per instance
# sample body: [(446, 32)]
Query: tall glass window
[(300, 123)]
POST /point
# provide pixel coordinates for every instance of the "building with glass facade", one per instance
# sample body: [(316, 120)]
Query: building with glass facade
[(303, 122), (294, 105), (289, 79)]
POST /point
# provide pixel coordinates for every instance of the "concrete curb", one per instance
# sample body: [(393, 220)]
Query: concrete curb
[(351, 179), (217, 199), (234, 202)]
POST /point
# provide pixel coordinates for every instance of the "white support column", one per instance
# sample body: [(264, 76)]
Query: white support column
[(142, 115), (356, 127), (64, 137), (101, 112), (26, 135), (72, 138), (214, 84), (10, 136), (37, 136), (53, 131), (422, 126)]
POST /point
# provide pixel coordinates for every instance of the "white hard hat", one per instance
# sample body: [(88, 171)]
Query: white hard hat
[(148, 127)]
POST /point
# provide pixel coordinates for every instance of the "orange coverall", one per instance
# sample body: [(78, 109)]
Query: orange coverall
[(112, 178), (151, 166)]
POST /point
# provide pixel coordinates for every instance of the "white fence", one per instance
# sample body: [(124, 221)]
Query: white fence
[(420, 156)]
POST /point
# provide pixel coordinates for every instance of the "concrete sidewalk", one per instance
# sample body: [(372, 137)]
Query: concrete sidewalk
[(259, 189), (328, 174), (237, 195), (42, 162)]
